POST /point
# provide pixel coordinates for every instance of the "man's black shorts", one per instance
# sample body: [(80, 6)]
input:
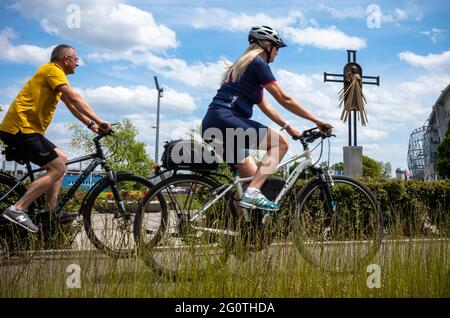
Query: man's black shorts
[(31, 147)]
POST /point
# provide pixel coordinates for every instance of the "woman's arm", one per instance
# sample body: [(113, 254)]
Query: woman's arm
[(291, 104), (276, 117), (271, 112)]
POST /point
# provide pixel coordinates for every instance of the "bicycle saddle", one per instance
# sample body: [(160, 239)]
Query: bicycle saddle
[(13, 154)]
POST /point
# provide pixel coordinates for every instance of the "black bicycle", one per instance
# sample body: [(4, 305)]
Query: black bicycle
[(108, 208)]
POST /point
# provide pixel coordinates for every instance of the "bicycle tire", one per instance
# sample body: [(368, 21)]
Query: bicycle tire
[(97, 208), (349, 238), (12, 236), (177, 246)]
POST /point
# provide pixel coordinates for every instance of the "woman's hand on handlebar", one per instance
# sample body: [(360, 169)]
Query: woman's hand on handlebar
[(325, 127), (293, 132)]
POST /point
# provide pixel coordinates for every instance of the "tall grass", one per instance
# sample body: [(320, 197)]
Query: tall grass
[(416, 267), (409, 268)]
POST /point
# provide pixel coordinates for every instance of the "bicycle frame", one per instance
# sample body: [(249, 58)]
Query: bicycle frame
[(97, 160), (237, 182)]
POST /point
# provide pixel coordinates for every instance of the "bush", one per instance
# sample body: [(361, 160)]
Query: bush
[(410, 207)]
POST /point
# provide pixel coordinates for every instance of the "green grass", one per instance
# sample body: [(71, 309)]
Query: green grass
[(408, 269), (411, 266)]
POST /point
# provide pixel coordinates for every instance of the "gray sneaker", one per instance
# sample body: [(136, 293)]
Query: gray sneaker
[(20, 218)]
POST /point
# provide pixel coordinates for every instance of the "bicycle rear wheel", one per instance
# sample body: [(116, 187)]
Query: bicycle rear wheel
[(170, 240), (344, 239), (106, 227), (12, 237)]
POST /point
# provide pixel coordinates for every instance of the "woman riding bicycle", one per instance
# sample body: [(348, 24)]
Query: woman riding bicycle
[(232, 107)]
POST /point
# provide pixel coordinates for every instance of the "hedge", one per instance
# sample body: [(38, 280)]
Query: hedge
[(414, 207)]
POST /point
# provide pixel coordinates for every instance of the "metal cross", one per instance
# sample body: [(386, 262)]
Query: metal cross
[(351, 65)]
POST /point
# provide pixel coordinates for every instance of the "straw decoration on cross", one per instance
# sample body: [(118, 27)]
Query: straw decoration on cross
[(352, 97)]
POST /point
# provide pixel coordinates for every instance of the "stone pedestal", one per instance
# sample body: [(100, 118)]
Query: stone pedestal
[(353, 161)]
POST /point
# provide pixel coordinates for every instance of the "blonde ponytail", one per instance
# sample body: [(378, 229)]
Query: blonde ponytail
[(235, 71)]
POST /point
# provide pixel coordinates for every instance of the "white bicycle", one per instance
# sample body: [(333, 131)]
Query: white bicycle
[(334, 221)]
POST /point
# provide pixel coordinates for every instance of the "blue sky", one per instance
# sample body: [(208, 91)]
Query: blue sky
[(123, 44)]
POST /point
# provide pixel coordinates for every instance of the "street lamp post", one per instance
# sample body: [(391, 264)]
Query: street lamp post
[(160, 94)]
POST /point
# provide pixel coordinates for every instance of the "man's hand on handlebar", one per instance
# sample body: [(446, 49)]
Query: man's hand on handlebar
[(104, 127)]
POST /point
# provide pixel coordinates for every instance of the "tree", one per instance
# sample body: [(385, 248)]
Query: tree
[(121, 148), (386, 170), (339, 166), (371, 168), (443, 161)]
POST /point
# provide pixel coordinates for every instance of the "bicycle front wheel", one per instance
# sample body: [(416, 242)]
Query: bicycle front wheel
[(177, 240), (345, 237), (108, 229)]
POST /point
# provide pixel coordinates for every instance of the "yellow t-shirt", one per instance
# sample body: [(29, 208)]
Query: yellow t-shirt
[(35, 105)]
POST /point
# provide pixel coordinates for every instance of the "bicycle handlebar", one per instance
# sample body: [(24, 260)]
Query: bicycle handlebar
[(102, 134), (310, 135)]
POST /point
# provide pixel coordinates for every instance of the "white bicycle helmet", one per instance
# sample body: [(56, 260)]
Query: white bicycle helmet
[(265, 33)]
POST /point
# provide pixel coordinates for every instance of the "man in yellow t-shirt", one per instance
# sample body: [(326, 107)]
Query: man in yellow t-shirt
[(26, 121)]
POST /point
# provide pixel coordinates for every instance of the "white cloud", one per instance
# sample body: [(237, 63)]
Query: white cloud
[(27, 54), (396, 15), (439, 63), (411, 12), (325, 38), (60, 135), (294, 27), (371, 134), (197, 74), (401, 14), (349, 12), (137, 100), (169, 129), (105, 24), (309, 91), (222, 19), (435, 35)]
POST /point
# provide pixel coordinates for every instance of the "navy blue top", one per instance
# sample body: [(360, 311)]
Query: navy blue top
[(243, 94)]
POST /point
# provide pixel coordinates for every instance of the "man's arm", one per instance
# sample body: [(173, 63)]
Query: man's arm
[(88, 122), (79, 106), (84, 119)]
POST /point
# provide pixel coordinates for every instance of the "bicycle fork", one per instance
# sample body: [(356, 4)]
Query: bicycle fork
[(113, 185), (325, 187)]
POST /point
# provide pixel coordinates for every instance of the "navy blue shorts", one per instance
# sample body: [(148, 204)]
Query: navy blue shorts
[(233, 130), (31, 147)]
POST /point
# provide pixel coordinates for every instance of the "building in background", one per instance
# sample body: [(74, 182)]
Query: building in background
[(424, 141)]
